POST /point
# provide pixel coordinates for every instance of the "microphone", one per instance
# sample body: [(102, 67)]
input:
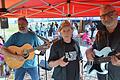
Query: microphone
[(30, 29)]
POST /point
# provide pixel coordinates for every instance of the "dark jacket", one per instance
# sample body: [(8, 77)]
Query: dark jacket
[(57, 51), (103, 39)]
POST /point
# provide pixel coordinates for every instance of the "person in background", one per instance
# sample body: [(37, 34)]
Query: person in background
[(56, 25), (86, 39), (65, 55), (4, 69), (92, 28), (1, 57), (109, 36), (20, 38), (50, 31), (37, 28)]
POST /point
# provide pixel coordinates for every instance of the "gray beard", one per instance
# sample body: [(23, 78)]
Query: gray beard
[(23, 31)]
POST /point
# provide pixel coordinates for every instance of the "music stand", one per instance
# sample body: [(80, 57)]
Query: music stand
[(43, 63), (45, 66), (45, 40)]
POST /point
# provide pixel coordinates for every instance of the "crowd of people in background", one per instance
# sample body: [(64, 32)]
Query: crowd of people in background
[(45, 29), (50, 29)]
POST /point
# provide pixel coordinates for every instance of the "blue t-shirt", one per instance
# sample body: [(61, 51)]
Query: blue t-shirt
[(19, 39)]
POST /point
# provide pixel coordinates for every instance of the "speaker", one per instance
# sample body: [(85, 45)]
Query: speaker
[(4, 23)]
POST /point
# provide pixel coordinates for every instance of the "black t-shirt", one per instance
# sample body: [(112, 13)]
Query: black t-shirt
[(71, 54)]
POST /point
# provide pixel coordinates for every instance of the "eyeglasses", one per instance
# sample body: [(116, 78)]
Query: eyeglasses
[(110, 14)]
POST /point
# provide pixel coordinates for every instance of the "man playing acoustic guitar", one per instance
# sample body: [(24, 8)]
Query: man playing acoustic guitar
[(23, 58)]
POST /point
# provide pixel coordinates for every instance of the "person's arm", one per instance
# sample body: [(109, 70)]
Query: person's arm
[(89, 54), (54, 58), (58, 62), (6, 52), (115, 59)]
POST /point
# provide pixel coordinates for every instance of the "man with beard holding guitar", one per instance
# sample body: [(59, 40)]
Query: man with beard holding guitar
[(109, 36), (24, 41)]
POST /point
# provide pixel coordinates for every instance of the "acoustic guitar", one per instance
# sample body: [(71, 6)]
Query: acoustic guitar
[(26, 51)]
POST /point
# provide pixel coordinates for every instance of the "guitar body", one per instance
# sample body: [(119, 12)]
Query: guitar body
[(95, 66), (14, 62)]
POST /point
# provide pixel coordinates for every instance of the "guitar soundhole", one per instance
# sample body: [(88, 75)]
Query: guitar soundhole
[(25, 54), (16, 53)]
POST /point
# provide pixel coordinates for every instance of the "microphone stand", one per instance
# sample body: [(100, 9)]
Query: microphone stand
[(45, 41), (45, 66), (38, 55), (46, 59), (38, 65)]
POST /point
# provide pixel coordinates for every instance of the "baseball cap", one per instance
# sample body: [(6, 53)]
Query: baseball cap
[(104, 9), (65, 23), (22, 18)]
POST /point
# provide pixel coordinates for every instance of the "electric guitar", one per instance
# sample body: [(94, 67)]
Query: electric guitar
[(26, 51), (100, 61)]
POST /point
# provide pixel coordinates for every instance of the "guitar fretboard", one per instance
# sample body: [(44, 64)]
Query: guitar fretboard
[(42, 47), (103, 59)]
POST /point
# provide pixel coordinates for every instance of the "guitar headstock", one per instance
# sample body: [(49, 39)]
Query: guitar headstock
[(43, 47)]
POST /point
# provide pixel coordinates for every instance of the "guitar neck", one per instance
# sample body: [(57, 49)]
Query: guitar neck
[(42, 47), (102, 59)]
